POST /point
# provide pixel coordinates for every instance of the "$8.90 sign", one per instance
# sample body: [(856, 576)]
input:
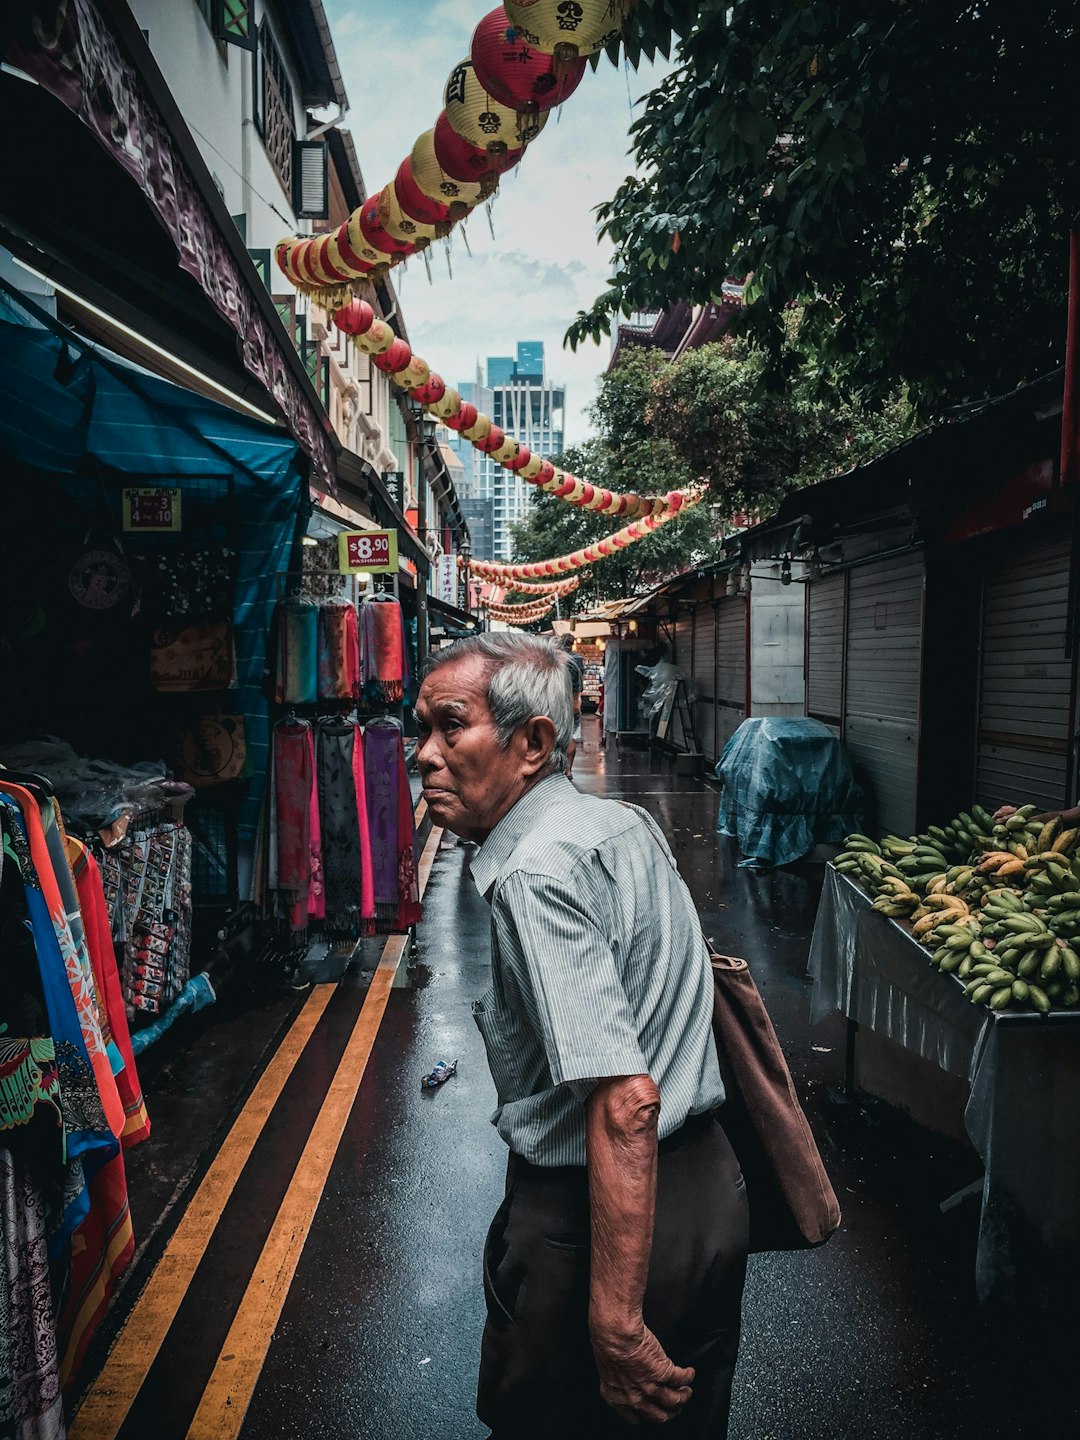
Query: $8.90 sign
[(367, 550)]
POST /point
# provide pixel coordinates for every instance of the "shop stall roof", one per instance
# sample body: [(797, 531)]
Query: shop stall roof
[(940, 467), (94, 422)]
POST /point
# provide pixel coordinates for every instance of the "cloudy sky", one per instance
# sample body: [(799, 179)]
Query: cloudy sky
[(544, 263)]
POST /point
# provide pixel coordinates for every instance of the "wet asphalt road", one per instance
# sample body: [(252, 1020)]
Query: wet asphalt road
[(877, 1336)]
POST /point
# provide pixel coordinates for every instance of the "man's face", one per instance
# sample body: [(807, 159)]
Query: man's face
[(470, 782)]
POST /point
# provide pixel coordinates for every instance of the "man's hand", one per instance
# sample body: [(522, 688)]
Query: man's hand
[(638, 1380)]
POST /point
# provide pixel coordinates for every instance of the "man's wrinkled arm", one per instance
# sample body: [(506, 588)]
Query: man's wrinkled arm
[(637, 1379)]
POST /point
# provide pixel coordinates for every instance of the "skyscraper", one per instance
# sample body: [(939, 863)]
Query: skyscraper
[(530, 408)]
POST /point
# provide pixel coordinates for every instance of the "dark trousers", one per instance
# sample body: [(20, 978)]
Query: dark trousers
[(537, 1373)]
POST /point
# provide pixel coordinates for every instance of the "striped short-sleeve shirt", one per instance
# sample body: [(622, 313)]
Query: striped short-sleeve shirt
[(598, 969)]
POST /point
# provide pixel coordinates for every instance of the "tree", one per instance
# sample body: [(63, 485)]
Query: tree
[(706, 420), (905, 170)]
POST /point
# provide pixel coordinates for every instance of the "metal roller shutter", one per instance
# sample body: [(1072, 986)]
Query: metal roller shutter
[(705, 677), (884, 669), (730, 667), (1025, 684), (684, 639), (825, 650)]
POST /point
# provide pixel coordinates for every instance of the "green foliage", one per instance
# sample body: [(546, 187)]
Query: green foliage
[(906, 172), (706, 420)]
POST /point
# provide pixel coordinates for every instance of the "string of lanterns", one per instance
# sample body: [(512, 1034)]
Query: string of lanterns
[(526, 57), (395, 358), (559, 590), (498, 573), (521, 614)]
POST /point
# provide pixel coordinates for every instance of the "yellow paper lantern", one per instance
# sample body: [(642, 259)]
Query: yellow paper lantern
[(506, 451), (449, 405), (476, 117), (377, 338), (568, 28), (429, 175), (358, 243), (481, 430), (403, 227), (533, 468), (553, 484)]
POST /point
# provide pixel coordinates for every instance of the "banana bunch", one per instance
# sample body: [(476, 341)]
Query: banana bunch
[(1030, 966)]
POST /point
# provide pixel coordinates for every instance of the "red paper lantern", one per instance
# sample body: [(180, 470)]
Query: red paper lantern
[(378, 238), (520, 460), (514, 73), (415, 203), (547, 472), (492, 440), (354, 318), (431, 392), (348, 253), (461, 160), (465, 418), (394, 359)]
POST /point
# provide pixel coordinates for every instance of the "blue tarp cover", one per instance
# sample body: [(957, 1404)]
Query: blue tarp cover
[(60, 408), (788, 786)]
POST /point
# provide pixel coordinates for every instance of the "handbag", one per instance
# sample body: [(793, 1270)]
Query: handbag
[(792, 1204)]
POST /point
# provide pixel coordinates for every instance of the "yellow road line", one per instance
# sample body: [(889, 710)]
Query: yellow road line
[(107, 1403), (224, 1405)]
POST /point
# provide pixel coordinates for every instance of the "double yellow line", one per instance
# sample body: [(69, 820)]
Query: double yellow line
[(226, 1399)]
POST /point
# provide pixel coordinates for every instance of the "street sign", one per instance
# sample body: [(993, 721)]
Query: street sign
[(156, 509), (448, 579), (371, 551)]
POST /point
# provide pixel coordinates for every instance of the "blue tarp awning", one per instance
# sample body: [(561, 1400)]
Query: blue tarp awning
[(64, 407)]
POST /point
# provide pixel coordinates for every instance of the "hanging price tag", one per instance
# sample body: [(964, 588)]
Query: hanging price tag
[(156, 509), (373, 551)]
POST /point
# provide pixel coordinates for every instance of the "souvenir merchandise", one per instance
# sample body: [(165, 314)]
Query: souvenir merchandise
[(70, 1103), (384, 657), (147, 884), (339, 651), (297, 652), (342, 794), (393, 829), (292, 774)]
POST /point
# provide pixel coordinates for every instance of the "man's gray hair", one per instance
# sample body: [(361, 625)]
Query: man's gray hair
[(527, 676)]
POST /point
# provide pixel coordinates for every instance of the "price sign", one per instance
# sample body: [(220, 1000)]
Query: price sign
[(367, 550), (156, 509)]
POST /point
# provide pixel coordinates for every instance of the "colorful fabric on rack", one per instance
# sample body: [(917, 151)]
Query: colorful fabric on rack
[(385, 665), (28, 1078), (148, 881), (88, 885), (297, 625), (367, 869), (339, 652), (338, 741), (76, 961), (31, 1407), (393, 831), (101, 1250), (316, 896), (291, 817)]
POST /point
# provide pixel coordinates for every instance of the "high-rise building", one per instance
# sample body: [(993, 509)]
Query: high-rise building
[(523, 402)]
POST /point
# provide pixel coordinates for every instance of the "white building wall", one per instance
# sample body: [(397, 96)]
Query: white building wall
[(777, 643)]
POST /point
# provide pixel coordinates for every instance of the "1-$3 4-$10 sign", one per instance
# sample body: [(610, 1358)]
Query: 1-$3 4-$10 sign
[(371, 551)]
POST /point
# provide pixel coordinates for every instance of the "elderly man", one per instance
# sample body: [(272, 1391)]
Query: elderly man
[(613, 1270)]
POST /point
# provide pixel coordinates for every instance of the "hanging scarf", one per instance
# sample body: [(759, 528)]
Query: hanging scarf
[(393, 833), (297, 624), (30, 1402), (339, 652), (340, 821), (385, 667), (292, 779), (316, 897), (86, 1141), (103, 958), (367, 872)]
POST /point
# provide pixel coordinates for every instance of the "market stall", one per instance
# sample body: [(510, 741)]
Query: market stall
[(1023, 1069)]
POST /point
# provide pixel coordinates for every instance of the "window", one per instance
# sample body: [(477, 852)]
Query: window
[(230, 20), (274, 116)]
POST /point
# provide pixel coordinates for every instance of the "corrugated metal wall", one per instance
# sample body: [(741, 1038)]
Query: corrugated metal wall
[(705, 676), (730, 667), (825, 650), (884, 669), (1025, 680)]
